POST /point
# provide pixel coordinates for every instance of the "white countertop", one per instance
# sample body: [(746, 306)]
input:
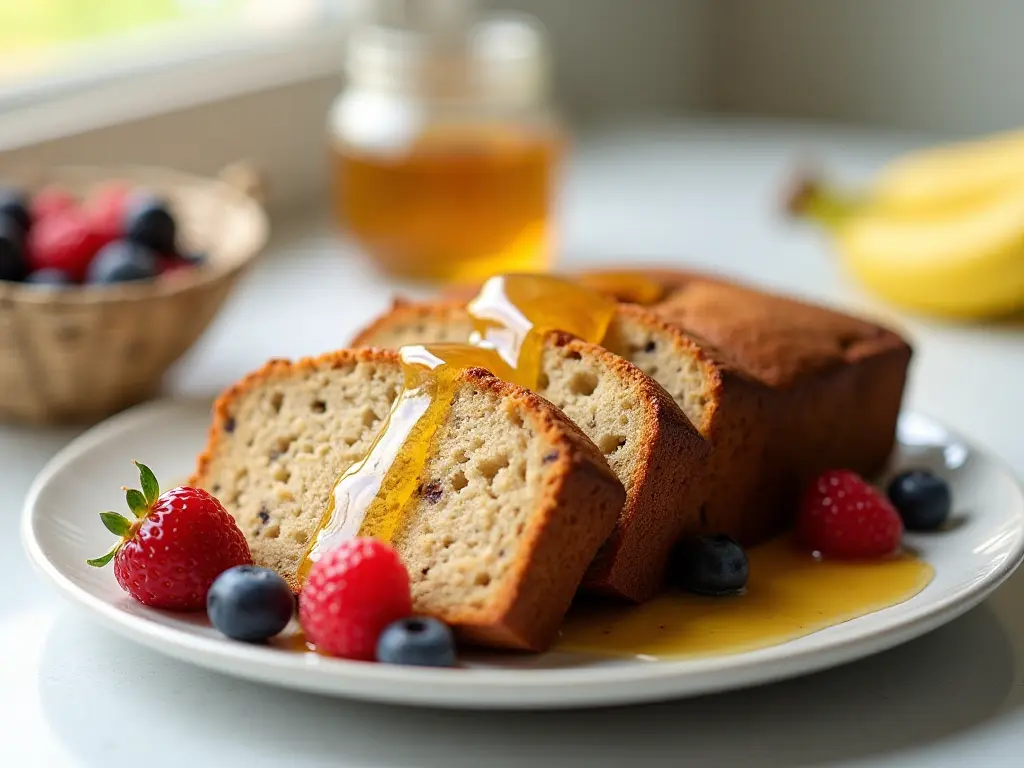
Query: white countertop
[(72, 694)]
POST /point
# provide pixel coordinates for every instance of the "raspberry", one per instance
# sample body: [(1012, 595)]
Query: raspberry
[(105, 210), (50, 201), (842, 516), (179, 542), (64, 241), (351, 594)]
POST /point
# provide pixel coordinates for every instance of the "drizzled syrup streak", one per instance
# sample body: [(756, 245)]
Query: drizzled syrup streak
[(511, 316), (514, 313)]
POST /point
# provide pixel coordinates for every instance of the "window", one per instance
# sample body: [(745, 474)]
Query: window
[(71, 66), (49, 44)]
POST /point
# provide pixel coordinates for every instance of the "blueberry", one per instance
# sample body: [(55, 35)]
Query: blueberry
[(249, 603), (12, 252), (418, 641), (709, 565), (149, 222), (121, 261), (14, 206), (922, 499), (50, 277)]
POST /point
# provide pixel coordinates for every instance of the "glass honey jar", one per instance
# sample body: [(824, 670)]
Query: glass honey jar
[(444, 147)]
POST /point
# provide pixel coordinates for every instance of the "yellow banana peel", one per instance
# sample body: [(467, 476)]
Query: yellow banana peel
[(941, 231), (950, 178), (967, 266)]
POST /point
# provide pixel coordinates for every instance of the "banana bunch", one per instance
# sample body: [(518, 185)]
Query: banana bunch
[(940, 231)]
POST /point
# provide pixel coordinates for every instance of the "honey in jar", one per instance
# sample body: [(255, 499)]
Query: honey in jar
[(444, 151)]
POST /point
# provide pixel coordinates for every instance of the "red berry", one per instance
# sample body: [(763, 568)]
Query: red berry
[(64, 241), (843, 516), (50, 201), (351, 594), (105, 210), (179, 542)]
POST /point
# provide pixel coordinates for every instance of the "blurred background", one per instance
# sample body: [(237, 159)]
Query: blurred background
[(937, 66), (932, 65), (401, 145)]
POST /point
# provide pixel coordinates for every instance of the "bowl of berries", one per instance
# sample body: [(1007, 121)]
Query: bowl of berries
[(107, 276)]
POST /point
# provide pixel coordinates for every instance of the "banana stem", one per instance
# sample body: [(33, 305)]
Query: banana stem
[(811, 199)]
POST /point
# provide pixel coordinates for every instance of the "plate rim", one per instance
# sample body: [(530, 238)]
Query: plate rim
[(487, 687)]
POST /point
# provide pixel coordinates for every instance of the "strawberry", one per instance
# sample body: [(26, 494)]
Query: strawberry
[(179, 542), (50, 201), (351, 594), (843, 516), (64, 241)]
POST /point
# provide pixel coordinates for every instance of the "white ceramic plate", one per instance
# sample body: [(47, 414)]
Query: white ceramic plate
[(61, 528)]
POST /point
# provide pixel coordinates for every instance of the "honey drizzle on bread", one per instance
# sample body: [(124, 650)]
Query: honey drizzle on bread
[(516, 505), (512, 316), (647, 439), (370, 497)]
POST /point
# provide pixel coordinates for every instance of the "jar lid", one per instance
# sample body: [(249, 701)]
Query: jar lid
[(453, 56)]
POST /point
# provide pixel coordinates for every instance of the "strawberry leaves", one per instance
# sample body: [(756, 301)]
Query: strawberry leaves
[(150, 487), (116, 524), (136, 503), (99, 562), (139, 502)]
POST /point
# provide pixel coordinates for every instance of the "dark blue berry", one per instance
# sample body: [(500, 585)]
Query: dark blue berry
[(12, 252), (249, 603), (922, 499), (418, 641), (14, 206), (50, 277), (709, 565), (149, 222), (122, 261)]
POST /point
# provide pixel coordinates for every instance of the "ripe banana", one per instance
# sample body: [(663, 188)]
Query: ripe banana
[(940, 232), (950, 178), (970, 265)]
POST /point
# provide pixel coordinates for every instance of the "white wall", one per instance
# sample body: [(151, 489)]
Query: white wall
[(625, 56), (943, 66)]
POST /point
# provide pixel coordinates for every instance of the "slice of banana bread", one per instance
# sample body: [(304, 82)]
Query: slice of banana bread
[(743, 494), (513, 506), (669, 493)]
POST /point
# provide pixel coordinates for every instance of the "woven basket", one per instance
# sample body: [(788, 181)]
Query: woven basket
[(79, 354)]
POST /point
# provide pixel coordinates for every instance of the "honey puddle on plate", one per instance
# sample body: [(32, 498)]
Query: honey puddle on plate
[(790, 594)]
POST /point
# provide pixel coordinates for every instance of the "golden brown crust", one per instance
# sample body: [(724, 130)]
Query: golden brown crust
[(740, 487), (832, 384), (580, 508), (666, 480), (778, 339), (578, 511)]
